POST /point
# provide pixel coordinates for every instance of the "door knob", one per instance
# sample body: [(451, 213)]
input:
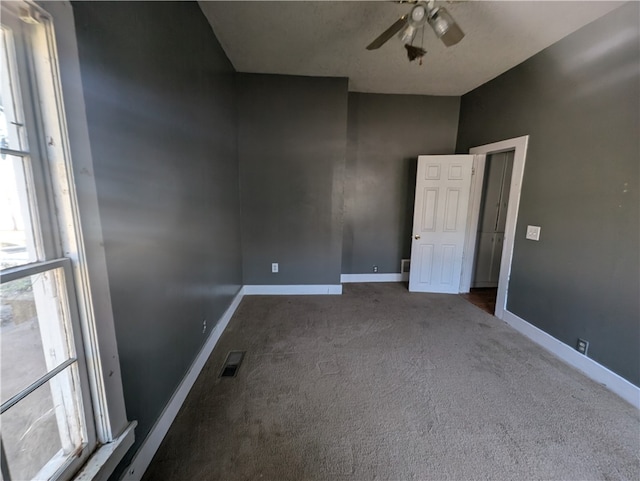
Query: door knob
[(417, 236)]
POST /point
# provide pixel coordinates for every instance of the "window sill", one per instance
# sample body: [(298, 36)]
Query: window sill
[(104, 461)]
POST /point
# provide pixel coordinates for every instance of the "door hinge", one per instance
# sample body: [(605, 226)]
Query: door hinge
[(473, 171)]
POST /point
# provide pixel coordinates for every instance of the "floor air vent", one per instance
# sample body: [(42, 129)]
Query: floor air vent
[(232, 364)]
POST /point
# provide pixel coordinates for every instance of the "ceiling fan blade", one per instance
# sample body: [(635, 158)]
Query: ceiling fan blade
[(388, 33)]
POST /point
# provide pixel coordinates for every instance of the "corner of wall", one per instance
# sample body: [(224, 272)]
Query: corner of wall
[(592, 369), (152, 442)]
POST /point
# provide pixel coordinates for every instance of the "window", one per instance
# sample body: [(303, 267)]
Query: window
[(57, 407), (45, 412)]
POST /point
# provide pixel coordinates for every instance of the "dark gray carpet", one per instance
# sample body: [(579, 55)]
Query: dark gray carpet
[(382, 384)]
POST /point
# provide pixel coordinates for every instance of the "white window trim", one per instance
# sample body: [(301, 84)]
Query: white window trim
[(114, 432)]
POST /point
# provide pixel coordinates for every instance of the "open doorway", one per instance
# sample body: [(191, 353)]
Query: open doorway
[(490, 232), (491, 226)]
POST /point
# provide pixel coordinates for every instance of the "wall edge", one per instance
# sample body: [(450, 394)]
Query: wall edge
[(293, 290), (592, 369), (399, 277), (150, 445)]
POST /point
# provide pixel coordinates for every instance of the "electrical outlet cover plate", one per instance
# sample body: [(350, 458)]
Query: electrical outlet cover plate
[(533, 232), (583, 346), (274, 267)]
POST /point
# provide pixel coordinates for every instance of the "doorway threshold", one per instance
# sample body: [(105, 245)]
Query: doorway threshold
[(483, 297)]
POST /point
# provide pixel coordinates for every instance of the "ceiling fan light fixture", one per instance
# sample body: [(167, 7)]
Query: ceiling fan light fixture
[(418, 14), (417, 18), (407, 34), (445, 26), (407, 26)]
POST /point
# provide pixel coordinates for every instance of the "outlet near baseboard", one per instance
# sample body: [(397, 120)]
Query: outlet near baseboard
[(583, 346)]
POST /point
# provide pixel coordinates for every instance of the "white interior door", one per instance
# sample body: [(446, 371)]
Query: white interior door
[(439, 221)]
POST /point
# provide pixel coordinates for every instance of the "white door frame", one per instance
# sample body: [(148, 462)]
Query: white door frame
[(519, 144)]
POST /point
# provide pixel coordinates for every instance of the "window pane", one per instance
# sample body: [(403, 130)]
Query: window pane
[(12, 135), (17, 239), (34, 431), (34, 333)]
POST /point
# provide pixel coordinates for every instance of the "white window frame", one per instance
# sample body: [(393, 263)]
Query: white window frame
[(57, 67)]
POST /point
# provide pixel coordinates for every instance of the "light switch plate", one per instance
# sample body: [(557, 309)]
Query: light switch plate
[(533, 232)]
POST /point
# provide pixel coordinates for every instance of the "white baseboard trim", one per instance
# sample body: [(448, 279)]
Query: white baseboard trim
[(148, 449), (589, 367), (348, 278), (294, 290)]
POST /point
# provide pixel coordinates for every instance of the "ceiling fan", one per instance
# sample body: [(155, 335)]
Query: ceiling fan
[(442, 23)]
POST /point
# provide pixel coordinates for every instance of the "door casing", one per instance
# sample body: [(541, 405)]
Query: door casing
[(519, 145)]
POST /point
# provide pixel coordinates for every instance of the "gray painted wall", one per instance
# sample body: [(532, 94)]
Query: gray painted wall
[(162, 122), (386, 134), (291, 146), (579, 102)]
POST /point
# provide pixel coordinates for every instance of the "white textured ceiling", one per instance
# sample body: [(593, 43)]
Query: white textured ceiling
[(328, 39)]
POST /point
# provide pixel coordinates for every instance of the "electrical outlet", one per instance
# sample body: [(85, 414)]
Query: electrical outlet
[(375, 268), (204, 326), (583, 346), (274, 267)]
